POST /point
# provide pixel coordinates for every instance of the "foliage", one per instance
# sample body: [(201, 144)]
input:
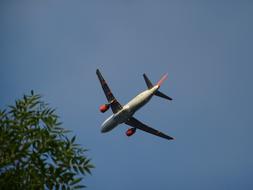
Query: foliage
[(35, 152)]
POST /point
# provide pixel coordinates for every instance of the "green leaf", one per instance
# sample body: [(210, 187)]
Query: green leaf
[(75, 169), (75, 181), (87, 170), (73, 139), (79, 186), (81, 170)]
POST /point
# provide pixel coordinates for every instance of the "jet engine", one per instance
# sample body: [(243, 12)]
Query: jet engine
[(130, 131), (103, 108)]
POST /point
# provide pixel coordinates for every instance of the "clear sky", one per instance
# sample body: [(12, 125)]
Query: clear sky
[(54, 48)]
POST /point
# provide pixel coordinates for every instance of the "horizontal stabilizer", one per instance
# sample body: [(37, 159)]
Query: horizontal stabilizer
[(162, 95), (148, 82)]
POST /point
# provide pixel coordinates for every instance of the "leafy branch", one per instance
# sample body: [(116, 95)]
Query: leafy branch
[(35, 151)]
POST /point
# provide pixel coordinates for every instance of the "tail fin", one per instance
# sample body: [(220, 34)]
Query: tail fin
[(162, 79), (148, 82), (160, 94)]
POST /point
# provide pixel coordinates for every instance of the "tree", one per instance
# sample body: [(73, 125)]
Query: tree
[(35, 151)]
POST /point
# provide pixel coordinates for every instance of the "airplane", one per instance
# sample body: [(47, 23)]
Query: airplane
[(124, 114)]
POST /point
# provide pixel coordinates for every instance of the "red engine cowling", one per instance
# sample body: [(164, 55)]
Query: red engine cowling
[(130, 132), (103, 108)]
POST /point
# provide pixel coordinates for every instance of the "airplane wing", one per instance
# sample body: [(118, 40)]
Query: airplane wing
[(139, 125), (114, 104)]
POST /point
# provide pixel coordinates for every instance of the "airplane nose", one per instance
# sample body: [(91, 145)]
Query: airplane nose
[(104, 128)]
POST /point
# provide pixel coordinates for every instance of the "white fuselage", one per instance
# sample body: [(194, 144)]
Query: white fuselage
[(128, 110)]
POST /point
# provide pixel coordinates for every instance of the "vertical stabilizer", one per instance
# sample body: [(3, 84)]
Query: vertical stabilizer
[(162, 79)]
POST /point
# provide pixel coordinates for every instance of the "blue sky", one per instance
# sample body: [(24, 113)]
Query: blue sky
[(54, 48)]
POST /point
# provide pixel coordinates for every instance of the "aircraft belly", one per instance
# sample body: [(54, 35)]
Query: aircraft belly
[(123, 115), (116, 119)]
